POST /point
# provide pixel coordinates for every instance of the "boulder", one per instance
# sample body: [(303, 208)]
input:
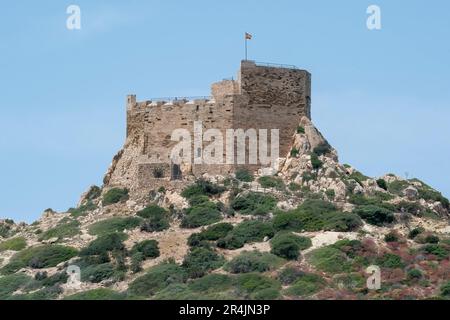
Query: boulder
[(411, 193)]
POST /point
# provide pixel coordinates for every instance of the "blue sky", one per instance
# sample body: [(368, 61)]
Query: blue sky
[(381, 97)]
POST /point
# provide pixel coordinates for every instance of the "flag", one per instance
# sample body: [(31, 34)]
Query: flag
[(248, 36)]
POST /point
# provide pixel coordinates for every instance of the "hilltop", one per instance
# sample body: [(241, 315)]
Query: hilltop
[(307, 228)]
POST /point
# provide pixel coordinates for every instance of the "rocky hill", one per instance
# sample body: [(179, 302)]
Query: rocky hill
[(306, 230)]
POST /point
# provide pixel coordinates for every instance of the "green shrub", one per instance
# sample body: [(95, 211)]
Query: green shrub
[(244, 175), (329, 259), (253, 261), (217, 231), (432, 239), (266, 294), (198, 200), (341, 221), (358, 177), (414, 274), (411, 207), (315, 161), (103, 244), (306, 285), (309, 176), (39, 257), (5, 230), (151, 211), (292, 221), (212, 233), (300, 130), (251, 283), (157, 278), (397, 186), (389, 260), (201, 260), (351, 281), (382, 184), (97, 272), (115, 195), (375, 215), (322, 149), (254, 204), (115, 224), (330, 193), (377, 199), (294, 152), (294, 186), (440, 251), (271, 182), (46, 293), (391, 237), (136, 261), (11, 283), (445, 289), (148, 248), (317, 206), (430, 194), (93, 193), (316, 218), (177, 291), (156, 219), (82, 210), (288, 245), (97, 294), (246, 232), (14, 244), (56, 279), (64, 230), (289, 275), (201, 215), (415, 232), (202, 187), (211, 283)]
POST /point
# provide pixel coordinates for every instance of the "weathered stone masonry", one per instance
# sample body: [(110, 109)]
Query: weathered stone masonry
[(262, 97)]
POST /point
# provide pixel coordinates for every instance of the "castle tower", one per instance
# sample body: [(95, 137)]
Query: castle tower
[(263, 97)]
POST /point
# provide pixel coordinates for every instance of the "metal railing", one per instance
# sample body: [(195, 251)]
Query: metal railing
[(180, 98), (276, 65)]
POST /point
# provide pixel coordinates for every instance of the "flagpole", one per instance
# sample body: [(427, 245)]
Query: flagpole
[(245, 48)]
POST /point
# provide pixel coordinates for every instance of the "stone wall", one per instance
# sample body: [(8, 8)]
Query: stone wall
[(262, 98)]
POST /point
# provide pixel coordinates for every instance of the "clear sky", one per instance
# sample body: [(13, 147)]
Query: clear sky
[(381, 97)]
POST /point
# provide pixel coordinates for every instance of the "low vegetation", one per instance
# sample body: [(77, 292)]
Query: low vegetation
[(253, 261), (66, 229), (115, 195), (375, 215), (306, 284), (244, 175), (97, 294), (288, 246), (212, 233), (115, 224), (39, 257), (157, 278), (14, 244), (246, 232), (253, 203), (271, 182), (200, 260), (202, 214), (155, 219), (315, 215), (202, 187)]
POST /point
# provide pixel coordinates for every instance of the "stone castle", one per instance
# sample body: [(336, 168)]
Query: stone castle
[(262, 97)]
